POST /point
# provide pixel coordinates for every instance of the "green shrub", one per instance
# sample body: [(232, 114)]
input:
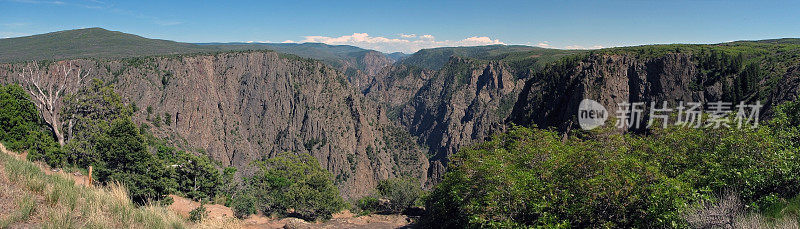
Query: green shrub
[(533, 177), (124, 158), (243, 205), (291, 181), (529, 177), (196, 176), (157, 121), (91, 110), (167, 119), (402, 193), (198, 214), (22, 129), (368, 204)]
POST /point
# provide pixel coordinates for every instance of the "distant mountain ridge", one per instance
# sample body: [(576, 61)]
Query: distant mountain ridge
[(89, 43), (436, 58), (105, 44)]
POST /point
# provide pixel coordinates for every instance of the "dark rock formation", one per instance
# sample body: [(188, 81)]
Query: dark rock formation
[(465, 101), (551, 98), (240, 107)]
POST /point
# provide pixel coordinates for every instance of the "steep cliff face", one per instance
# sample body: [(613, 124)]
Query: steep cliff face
[(466, 101), (365, 119), (396, 85), (551, 98), (240, 107), (787, 88), (362, 67)]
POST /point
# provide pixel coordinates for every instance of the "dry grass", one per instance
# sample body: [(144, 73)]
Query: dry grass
[(210, 223), (728, 212), (64, 204)]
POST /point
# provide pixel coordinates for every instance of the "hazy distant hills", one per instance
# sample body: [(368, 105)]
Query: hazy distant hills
[(89, 43), (435, 58), (105, 44)]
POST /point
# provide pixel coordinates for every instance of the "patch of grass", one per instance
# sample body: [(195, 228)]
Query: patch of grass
[(69, 205), (27, 206)]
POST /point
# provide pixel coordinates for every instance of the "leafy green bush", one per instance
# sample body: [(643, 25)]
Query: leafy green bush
[(533, 177), (91, 111), (243, 204), (124, 158), (368, 204), (291, 181), (22, 129), (198, 214), (529, 177), (195, 175), (402, 193)]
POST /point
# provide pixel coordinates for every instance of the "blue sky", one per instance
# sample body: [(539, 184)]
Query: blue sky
[(410, 25)]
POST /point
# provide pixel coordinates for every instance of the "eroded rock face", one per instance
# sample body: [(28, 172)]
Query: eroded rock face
[(788, 89), (239, 107), (396, 85), (362, 67), (464, 102), (467, 100), (551, 99)]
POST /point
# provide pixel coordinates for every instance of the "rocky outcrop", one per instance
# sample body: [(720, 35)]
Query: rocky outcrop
[(367, 123), (362, 67), (239, 107), (464, 102), (396, 85), (551, 98), (787, 89)]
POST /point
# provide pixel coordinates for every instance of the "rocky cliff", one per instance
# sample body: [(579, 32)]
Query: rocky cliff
[(468, 100), (239, 107), (465, 101), (551, 98), (366, 120)]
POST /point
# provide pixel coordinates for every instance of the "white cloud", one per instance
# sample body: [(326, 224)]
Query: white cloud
[(12, 34), (407, 43), (582, 47), (544, 44)]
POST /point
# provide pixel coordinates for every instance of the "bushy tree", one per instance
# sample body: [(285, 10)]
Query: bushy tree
[(529, 177), (22, 128), (88, 114), (18, 115), (124, 158), (290, 182), (402, 193), (198, 214), (196, 175)]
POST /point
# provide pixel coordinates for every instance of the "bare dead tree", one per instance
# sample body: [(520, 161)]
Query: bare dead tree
[(48, 89)]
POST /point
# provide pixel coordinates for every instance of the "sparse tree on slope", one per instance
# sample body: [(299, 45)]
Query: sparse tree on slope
[(47, 87)]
